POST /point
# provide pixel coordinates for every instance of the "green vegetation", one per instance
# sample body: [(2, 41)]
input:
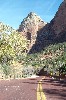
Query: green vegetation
[(6, 28), (16, 63), (52, 59), (12, 48)]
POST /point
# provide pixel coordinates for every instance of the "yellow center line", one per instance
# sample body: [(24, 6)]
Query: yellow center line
[(40, 93)]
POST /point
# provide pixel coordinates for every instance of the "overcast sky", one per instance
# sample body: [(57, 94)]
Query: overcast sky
[(12, 12)]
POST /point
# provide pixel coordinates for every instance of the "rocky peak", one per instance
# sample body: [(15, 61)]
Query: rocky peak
[(30, 26), (31, 20), (32, 15)]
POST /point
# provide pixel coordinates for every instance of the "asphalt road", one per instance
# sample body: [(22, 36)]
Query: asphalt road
[(26, 89), (22, 89)]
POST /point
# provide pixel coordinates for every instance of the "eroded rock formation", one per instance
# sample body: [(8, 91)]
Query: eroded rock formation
[(30, 26)]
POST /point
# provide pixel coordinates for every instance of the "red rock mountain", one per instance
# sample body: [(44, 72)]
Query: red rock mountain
[(41, 34), (53, 32), (30, 26), (58, 24)]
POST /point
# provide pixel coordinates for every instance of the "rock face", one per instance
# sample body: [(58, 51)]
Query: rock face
[(60, 19), (53, 32), (30, 26), (58, 24)]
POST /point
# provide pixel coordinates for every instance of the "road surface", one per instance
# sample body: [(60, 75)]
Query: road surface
[(27, 89)]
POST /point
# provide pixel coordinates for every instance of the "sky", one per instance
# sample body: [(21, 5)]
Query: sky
[(12, 12)]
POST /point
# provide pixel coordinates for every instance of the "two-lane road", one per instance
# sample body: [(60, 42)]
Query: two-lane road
[(40, 88)]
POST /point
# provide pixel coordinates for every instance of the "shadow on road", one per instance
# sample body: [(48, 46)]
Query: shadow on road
[(54, 89), (53, 93)]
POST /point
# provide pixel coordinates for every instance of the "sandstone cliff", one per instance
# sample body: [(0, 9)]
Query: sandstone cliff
[(53, 32), (30, 26)]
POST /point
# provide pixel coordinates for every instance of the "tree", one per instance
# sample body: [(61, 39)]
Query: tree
[(12, 48)]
